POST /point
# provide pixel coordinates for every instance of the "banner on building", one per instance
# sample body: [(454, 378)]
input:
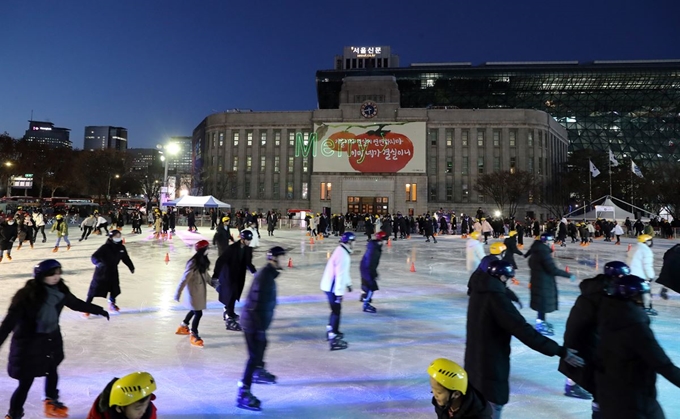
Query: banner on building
[(379, 147)]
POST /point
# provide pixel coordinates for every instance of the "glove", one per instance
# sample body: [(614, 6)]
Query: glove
[(105, 313), (349, 288), (572, 278), (572, 359)]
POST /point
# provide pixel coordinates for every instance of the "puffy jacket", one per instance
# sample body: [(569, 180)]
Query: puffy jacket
[(336, 275), (671, 266), (641, 262), (543, 273), (195, 284), (474, 406), (61, 228), (258, 310), (475, 254)]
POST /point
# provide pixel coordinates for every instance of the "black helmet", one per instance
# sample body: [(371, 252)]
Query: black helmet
[(246, 235), (44, 267), (275, 251), (498, 268), (547, 237), (616, 269), (628, 287), (347, 237)]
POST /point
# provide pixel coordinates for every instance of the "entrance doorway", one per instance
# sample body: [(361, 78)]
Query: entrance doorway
[(368, 204)]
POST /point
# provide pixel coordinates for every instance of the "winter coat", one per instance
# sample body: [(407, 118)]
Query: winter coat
[(61, 228), (101, 221), (512, 250), (271, 222), (427, 226), (542, 281), (101, 410), (581, 331), (486, 227), (231, 268), (670, 271), (387, 227), (8, 234), (641, 261), (492, 320), (336, 275), (195, 282), (33, 354), (369, 266), (258, 310), (477, 226), (106, 279), (631, 358), (475, 253), (474, 406), (39, 219), (618, 230), (88, 222), (222, 238)]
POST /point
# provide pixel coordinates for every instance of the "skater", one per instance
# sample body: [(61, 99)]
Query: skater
[(39, 224), (106, 280), (641, 262), (255, 242), (272, 219), (369, 270), (61, 226), (87, 226), (492, 320), (453, 396), (512, 250), (195, 280), (519, 227), (230, 270), (618, 232), (129, 397), (428, 229), (37, 347), (562, 233), (475, 251), (25, 229), (8, 234), (581, 334), (542, 281), (157, 225), (213, 218), (222, 237), (101, 223), (335, 280), (487, 230), (630, 354), (369, 228), (668, 277), (191, 221), (258, 313), (496, 252)]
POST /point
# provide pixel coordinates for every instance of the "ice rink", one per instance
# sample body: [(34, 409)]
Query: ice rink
[(421, 316)]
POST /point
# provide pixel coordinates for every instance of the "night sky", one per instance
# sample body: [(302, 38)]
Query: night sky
[(159, 67)]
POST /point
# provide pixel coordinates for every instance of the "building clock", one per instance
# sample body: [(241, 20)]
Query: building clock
[(369, 109)]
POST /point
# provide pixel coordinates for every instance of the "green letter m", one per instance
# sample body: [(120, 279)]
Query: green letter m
[(303, 149)]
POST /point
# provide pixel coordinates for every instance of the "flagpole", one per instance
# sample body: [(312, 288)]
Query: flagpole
[(610, 171)]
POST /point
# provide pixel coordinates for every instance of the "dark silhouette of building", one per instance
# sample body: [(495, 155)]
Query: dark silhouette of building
[(103, 137), (46, 133)]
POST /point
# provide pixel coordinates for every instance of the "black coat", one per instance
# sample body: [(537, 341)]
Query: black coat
[(33, 354), (369, 266), (474, 406), (221, 239), (8, 233), (271, 222), (581, 331), (258, 310), (630, 359), (387, 227), (105, 279), (492, 320), (543, 273), (230, 268), (512, 250), (670, 271)]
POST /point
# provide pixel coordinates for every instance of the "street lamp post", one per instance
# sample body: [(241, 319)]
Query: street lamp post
[(170, 149), (108, 190), (10, 178)]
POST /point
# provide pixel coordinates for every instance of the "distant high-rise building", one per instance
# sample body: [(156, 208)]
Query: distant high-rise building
[(181, 163), (46, 133), (103, 137), (142, 158)]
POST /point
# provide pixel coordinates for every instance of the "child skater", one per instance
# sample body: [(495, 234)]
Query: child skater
[(195, 279), (129, 397), (37, 347)]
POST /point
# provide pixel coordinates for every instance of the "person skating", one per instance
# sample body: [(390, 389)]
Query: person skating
[(492, 320), (39, 224), (191, 221), (61, 227), (369, 270), (129, 397), (106, 280), (369, 228), (581, 334), (195, 280), (256, 318), (222, 236), (453, 396), (428, 229), (87, 226), (474, 251), (37, 347), (631, 356), (669, 277), (542, 281), (511, 244), (25, 228), (272, 220), (562, 232), (230, 270), (641, 262), (8, 234), (618, 232), (101, 223), (497, 251), (335, 280)]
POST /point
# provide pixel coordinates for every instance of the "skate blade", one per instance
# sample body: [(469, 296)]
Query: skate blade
[(251, 408), (263, 382)]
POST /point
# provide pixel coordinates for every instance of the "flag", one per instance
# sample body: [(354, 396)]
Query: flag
[(634, 167), (593, 169), (613, 160)]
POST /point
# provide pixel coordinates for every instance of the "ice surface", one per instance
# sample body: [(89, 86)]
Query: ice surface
[(421, 316)]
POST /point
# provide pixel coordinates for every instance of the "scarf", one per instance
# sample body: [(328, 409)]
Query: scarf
[(48, 316)]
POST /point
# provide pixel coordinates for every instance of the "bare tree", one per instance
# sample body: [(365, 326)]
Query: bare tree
[(507, 189)]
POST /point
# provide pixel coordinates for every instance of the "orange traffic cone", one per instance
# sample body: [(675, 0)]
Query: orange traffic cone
[(566, 269), (552, 247), (413, 267), (167, 258), (311, 240), (630, 246), (389, 242), (169, 235), (464, 236), (123, 240), (328, 255), (290, 262)]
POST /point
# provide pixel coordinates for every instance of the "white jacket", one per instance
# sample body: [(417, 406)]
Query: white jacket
[(336, 275), (477, 226), (101, 220), (88, 222), (486, 227), (38, 219), (618, 231), (641, 262), (475, 253)]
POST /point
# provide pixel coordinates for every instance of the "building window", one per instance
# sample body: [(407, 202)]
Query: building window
[(305, 190), (466, 193), (449, 165), (249, 163), (496, 138), (289, 190), (496, 164), (449, 137), (449, 191), (540, 164), (530, 139), (275, 190), (480, 165), (466, 166), (291, 138), (235, 164), (277, 138), (277, 169), (411, 192), (480, 198), (260, 190), (262, 160), (305, 162), (235, 138), (540, 139), (325, 191), (263, 138), (513, 138), (432, 135), (433, 191), (530, 165), (432, 168), (219, 167), (249, 138), (513, 163), (247, 188), (480, 138), (290, 164), (464, 135), (221, 139)]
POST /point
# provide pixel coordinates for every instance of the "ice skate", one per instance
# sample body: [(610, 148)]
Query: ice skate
[(369, 308), (9, 257), (337, 344), (330, 335), (247, 401), (663, 294), (68, 247), (183, 329), (233, 325), (56, 249), (55, 409), (196, 340), (262, 376), (86, 315), (19, 247), (576, 391), (113, 307), (651, 312)]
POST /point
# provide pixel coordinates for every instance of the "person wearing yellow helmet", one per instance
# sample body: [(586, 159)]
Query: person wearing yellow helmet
[(452, 394), (222, 236), (510, 243), (474, 251), (641, 262), (61, 227), (130, 397), (496, 252)]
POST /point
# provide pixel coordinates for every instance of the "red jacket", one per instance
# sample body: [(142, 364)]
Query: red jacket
[(96, 414)]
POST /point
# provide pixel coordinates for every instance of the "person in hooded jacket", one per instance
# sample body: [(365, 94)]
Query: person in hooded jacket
[(130, 397), (630, 355), (61, 227), (453, 397), (222, 236), (106, 280), (37, 346), (641, 262), (492, 320), (670, 271), (581, 334), (369, 270), (8, 234), (511, 245)]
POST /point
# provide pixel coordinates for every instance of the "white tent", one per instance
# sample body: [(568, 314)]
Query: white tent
[(608, 210), (208, 201)]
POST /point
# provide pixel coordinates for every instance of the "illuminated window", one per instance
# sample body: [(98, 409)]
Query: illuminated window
[(464, 135), (221, 139), (235, 138), (249, 138), (480, 138), (305, 162), (530, 139), (277, 138), (411, 192), (449, 165), (263, 138), (449, 137), (496, 138), (262, 161), (235, 164), (513, 163), (289, 190), (325, 191), (249, 163), (290, 164), (277, 169), (305, 190), (513, 138), (291, 138)]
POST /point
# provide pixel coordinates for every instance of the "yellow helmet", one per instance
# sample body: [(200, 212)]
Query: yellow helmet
[(59, 217), (474, 235), (497, 248), (512, 233), (368, 218), (225, 219), (449, 374), (131, 389), (483, 219), (644, 237)]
